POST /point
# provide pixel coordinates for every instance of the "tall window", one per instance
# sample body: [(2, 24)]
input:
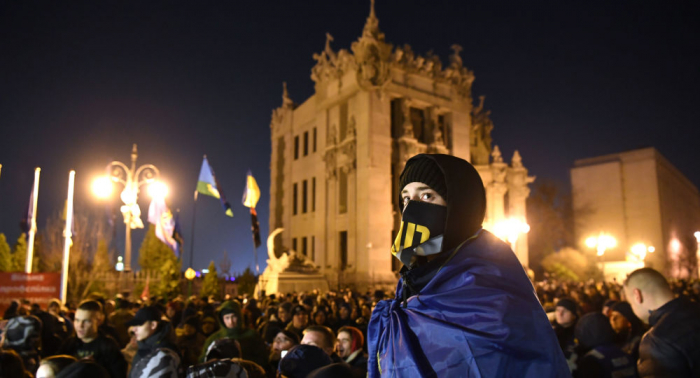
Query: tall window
[(343, 121), (313, 248), (314, 144), (306, 143), (296, 147), (342, 192), (304, 196), (294, 244), (304, 246), (313, 194), (294, 200), (343, 250)]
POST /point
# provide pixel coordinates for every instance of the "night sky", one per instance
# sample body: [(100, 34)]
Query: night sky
[(80, 82)]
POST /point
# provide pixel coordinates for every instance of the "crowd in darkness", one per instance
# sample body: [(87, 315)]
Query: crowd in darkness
[(310, 334)]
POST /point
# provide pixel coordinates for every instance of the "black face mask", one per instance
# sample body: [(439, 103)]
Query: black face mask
[(421, 231)]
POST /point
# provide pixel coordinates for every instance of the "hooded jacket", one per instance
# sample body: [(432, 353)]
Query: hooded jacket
[(157, 356), (599, 356), (252, 345), (471, 311)]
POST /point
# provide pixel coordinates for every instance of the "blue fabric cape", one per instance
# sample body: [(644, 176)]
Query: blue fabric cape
[(478, 317)]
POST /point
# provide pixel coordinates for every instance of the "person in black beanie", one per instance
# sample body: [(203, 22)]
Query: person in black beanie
[(598, 355), (464, 305), (566, 315), (628, 328)]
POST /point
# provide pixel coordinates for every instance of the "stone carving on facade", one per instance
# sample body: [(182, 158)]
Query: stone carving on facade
[(372, 55), (331, 65), (480, 136), (289, 261), (518, 179), (287, 105)]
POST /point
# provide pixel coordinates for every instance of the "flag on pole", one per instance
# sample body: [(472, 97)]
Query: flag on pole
[(177, 231), (209, 185), (160, 216), (251, 195)]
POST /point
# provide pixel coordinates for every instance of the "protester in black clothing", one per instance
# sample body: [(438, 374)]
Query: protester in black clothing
[(300, 320), (322, 337), (191, 341), (566, 315), (84, 369), (628, 328), (671, 348), (23, 335), (157, 355), (88, 343), (302, 360), (599, 357), (284, 341), (50, 341)]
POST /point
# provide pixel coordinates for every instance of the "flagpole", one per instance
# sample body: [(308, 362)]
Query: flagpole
[(68, 234), (32, 225)]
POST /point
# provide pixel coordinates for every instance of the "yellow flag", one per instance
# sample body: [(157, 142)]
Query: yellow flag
[(252, 192)]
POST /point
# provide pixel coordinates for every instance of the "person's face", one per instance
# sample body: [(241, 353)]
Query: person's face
[(208, 327), (230, 320), (320, 318), (618, 322), (86, 323), (282, 342), (283, 315), (170, 312), (564, 316), (344, 346), (144, 330), (343, 312), (300, 320), (45, 371), (316, 339), (417, 191), (189, 330)]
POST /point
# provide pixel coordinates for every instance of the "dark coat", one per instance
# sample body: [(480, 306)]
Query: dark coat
[(157, 355), (104, 350), (671, 348)]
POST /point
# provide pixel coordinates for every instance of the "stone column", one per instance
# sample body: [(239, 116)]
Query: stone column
[(518, 192), (496, 189)]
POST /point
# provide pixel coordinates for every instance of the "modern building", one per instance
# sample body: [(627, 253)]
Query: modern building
[(337, 156), (639, 198)]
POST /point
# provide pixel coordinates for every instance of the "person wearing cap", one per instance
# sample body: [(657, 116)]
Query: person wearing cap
[(628, 328), (283, 341), (252, 345), (89, 344), (565, 316), (464, 306), (157, 355), (300, 320), (598, 355)]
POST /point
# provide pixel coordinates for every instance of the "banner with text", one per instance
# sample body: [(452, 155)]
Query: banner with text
[(36, 287)]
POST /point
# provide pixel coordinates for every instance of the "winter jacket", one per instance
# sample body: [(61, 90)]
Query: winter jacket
[(23, 334), (671, 348), (472, 311), (599, 357), (252, 345), (157, 355), (104, 350)]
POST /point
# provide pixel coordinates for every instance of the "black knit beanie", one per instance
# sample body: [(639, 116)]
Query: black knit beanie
[(568, 304), (425, 170), (625, 309)]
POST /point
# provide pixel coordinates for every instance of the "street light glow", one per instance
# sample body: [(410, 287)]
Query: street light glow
[(602, 242), (158, 190), (102, 187)]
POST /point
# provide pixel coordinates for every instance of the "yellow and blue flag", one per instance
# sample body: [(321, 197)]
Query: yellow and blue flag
[(251, 196), (209, 185)]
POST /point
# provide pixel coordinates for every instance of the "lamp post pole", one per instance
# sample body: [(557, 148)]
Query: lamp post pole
[(132, 179)]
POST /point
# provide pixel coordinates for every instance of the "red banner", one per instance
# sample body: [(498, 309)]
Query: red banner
[(36, 287)]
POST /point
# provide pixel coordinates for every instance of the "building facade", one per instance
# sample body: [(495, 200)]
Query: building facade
[(639, 198), (337, 156)]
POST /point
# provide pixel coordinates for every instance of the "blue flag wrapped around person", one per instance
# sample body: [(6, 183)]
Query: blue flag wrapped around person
[(464, 306)]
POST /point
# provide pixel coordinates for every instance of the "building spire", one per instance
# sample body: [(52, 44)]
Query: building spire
[(372, 25), (286, 101)]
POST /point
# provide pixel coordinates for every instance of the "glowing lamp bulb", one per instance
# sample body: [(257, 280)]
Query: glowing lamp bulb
[(102, 187), (158, 190)]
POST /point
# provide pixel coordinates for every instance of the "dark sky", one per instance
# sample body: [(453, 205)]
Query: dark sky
[(81, 81)]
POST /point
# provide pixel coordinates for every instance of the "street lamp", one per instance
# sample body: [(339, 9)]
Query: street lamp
[(601, 243), (190, 274), (132, 179), (509, 230), (640, 251)]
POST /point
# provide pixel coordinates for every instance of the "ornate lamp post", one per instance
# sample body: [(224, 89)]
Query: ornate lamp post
[(601, 243), (132, 178)]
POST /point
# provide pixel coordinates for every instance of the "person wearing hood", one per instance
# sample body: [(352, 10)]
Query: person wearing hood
[(252, 345), (599, 356), (157, 355), (464, 306)]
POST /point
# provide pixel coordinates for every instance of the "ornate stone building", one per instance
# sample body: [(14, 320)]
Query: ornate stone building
[(337, 156)]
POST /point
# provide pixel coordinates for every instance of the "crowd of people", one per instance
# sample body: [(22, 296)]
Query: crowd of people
[(321, 334)]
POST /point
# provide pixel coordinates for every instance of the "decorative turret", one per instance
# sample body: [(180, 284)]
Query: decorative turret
[(372, 54)]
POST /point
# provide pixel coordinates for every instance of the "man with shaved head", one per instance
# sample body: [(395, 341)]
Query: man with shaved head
[(671, 347)]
